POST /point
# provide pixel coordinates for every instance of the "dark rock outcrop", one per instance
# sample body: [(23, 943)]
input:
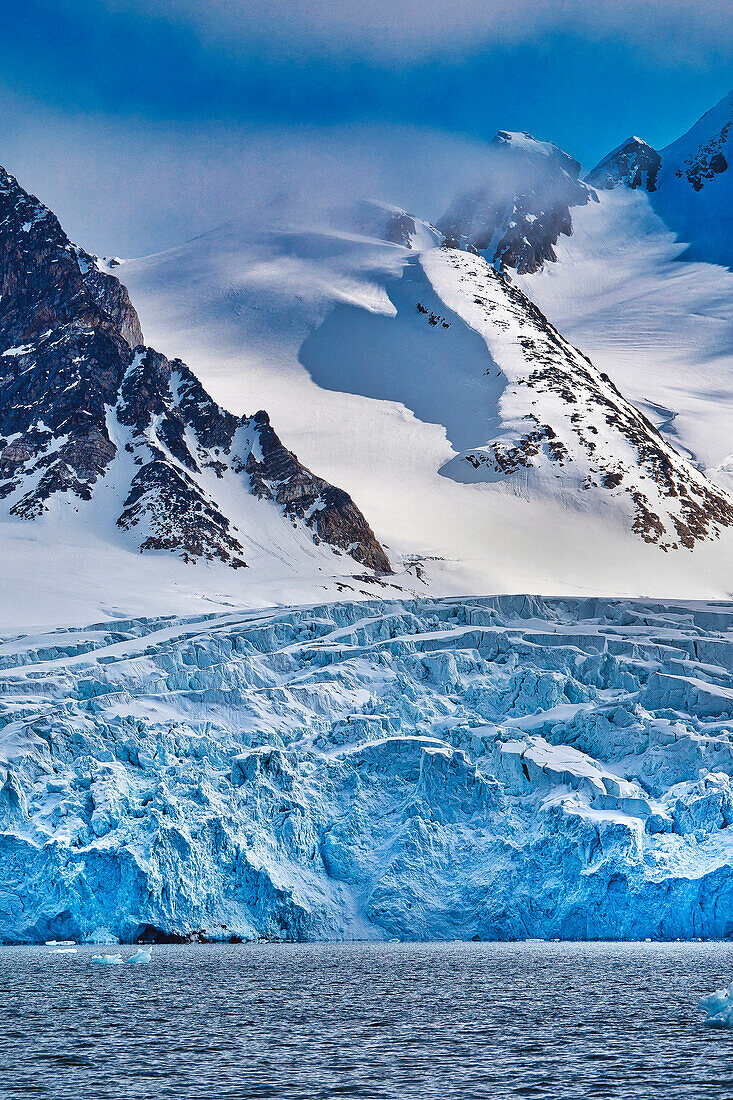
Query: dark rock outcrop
[(634, 164), (111, 296), (517, 216), (330, 512), (81, 396)]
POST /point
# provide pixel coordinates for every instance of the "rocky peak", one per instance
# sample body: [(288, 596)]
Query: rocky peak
[(517, 215), (45, 280), (689, 182), (84, 403), (633, 164)]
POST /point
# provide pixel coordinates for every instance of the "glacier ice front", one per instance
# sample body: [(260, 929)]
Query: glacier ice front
[(506, 767)]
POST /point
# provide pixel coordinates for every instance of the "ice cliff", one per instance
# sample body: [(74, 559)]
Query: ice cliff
[(502, 767)]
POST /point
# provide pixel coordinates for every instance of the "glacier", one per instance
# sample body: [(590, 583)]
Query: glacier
[(504, 767)]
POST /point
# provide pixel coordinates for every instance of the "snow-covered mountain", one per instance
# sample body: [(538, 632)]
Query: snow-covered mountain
[(94, 422), (409, 364), (691, 181), (635, 286), (440, 397), (559, 417), (517, 214)]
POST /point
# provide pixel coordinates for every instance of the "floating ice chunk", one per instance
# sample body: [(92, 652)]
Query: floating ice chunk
[(719, 1007), (64, 951), (102, 936), (144, 955), (60, 943), (107, 960)]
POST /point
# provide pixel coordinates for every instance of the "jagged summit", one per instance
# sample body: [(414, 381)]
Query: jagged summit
[(632, 164), (516, 216), (87, 412), (693, 160)]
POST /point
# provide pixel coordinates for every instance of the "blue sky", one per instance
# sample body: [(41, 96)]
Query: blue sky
[(199, 81)]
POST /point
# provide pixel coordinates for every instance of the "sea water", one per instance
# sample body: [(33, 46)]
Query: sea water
[(423, 1021)]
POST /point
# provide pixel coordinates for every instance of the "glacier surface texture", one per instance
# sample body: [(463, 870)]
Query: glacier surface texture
[(500, 767)]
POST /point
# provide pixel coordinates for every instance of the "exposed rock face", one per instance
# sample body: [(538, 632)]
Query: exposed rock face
[(276, 474), (82, 400), (62, 360), (517, 216), (634, 164), (111, 296), (400, 229)]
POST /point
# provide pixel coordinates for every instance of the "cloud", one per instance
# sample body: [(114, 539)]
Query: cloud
[(143, 122), (137, 188), (403, 31)]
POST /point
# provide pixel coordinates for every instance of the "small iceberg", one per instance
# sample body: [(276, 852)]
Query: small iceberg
[(144, 955), (60, 943), (64, 951), (107, 960), (103, 937), (719, 1007)]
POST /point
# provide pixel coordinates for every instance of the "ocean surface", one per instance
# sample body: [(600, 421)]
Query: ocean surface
[(458, 1020)]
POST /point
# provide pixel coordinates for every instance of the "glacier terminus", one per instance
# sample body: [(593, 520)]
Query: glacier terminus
[(466, 768)]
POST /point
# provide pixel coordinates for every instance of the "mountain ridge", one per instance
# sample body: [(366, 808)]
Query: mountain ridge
[(689, 179)]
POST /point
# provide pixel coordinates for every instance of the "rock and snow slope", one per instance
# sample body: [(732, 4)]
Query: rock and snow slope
[(659, 325), (96, 428), (695, 192), (560, 419), (394, 366), (499, 767)]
